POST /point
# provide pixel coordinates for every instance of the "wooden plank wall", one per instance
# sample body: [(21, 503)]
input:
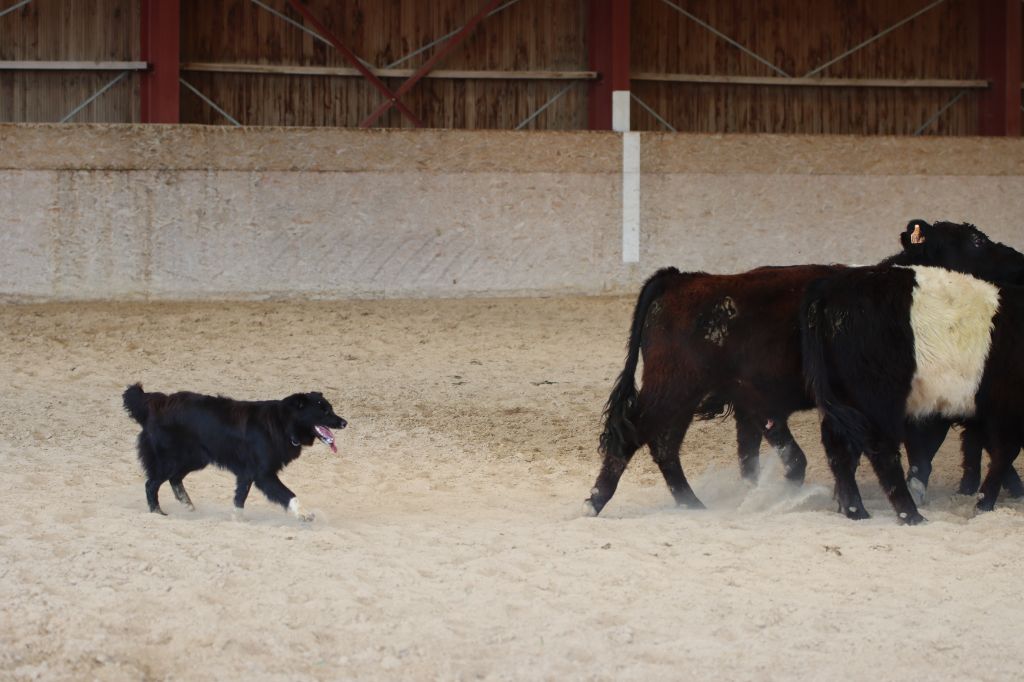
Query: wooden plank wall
[(530, 35), (797, 37), (79, 30)]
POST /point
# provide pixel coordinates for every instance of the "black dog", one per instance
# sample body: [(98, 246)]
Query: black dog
[(184, 432)]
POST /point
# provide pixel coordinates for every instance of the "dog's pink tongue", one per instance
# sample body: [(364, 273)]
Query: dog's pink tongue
[(326, 436)]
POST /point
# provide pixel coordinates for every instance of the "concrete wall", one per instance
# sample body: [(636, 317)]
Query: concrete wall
[(185, 212)]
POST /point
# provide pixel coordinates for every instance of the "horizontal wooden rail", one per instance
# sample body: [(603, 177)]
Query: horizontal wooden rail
[(295, 70), (26, 65), (955, 84)]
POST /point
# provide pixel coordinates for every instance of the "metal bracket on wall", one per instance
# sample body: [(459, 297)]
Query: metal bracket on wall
[(817, 69), (526, 121), (210, 102), (941, 111), (93, 96), (652, 112), (14, 7)]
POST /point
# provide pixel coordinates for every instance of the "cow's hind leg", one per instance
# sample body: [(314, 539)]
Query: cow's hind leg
[(843, 464), (664, 420), (793, 458), (885, 459), (615, 462), (665, 451), (748, 445)]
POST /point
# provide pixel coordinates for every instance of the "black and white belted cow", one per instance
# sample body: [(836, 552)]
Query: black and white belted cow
[(885, 347), (964, 248)]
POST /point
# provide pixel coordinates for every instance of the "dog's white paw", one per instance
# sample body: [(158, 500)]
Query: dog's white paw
[(296, 509)]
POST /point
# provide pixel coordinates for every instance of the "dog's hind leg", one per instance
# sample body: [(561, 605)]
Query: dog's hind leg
[(278, 492), (152, 487), (242, 488), (155, 476), (179, 492)]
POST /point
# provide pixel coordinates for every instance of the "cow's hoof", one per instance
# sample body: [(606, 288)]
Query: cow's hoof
[(856, 513), (911, 518), (984, 504), (1014, 490), (689, 502), (967, 487), (918, 490)]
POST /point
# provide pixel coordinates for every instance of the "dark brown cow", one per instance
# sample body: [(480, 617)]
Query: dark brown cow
[(708, 341)]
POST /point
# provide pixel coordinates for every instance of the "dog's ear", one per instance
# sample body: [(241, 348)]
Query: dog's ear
[(296, 401)]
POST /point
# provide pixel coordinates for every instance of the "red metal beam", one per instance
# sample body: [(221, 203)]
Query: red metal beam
[(159, 43), (999, 42), (428, 66), (608, 37), (354, 61)]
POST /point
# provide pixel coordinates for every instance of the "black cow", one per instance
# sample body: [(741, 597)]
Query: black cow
[(715, 342), (884, 346)]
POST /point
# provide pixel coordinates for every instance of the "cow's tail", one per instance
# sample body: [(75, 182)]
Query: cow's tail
[(816, 333), (619, 433), (135, 403)]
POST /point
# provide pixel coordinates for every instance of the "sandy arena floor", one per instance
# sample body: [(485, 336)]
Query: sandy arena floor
[(448, 542)]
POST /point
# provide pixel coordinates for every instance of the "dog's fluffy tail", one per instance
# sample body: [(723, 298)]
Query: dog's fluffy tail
[(136, 404)]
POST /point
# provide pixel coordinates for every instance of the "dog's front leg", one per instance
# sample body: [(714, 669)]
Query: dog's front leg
[(242, 488), (278, 492)]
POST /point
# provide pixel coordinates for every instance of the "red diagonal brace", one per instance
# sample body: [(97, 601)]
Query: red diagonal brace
[(354, 61), (429, 65)]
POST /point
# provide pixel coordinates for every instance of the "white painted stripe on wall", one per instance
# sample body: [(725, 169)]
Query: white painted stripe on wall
[(631, 197), (620, 111)]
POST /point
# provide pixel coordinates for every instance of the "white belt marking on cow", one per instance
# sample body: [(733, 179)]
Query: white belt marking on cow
[(951, 316)]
